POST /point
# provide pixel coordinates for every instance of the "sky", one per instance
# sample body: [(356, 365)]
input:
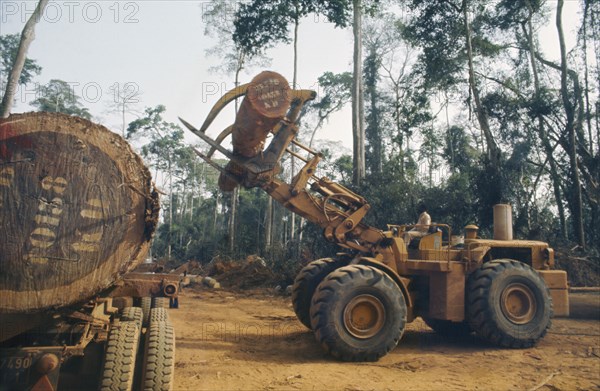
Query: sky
[(159, 49)]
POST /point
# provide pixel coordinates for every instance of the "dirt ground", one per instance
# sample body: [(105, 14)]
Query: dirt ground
[(252, 341)]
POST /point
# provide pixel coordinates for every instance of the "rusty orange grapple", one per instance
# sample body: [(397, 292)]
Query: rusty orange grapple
[(269, 106)]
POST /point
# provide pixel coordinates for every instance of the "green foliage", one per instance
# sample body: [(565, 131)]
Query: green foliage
[(437, 28), (9, 46), (261, 24), (221, 26), (59, 97), (333, 94), (425, 143)]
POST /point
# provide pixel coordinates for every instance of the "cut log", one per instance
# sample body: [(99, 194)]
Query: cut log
[(77, 211), (265, 104)]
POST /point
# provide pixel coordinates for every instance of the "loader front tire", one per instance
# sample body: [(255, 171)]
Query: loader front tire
[(306, 283), (358, 313), (508, 304)]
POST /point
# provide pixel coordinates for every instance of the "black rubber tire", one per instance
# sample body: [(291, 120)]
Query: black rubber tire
[(118, 368), (159, 315), (491, 320), (161, 302), (158, 369), (449, 329), (306, 283), (331, 305), (146, 304), (134, 314)]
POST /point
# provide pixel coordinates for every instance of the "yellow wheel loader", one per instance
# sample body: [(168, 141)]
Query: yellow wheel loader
[(358, 303)]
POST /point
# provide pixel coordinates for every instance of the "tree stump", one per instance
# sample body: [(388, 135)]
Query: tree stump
[(77, 211)]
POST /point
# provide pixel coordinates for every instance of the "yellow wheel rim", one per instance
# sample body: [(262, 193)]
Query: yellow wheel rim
[(364, 316), (518, 303)]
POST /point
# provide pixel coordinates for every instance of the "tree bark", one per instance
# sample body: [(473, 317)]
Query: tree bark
[(269, 224), (493, 151), (294, 82), (78, 210), (235, 194), (232, 218), (27, 36), (570, 131), (555, 178), (588, 116), (169, 240), (358, 127)]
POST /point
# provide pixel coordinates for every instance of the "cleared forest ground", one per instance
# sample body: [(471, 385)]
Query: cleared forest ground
[(252, 341)]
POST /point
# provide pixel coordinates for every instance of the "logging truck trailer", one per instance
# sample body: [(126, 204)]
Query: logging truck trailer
[(358, 303), (77, 211)]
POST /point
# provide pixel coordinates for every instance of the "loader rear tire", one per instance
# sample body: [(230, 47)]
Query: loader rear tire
[(508, 304), (119, 361), (306, 283), (159, 358), (358, 313)]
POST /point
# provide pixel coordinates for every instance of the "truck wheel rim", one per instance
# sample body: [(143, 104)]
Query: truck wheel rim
[(518, 303), (364, 316)]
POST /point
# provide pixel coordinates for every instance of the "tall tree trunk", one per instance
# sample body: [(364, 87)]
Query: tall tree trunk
[(555, 178), (215, 217), (493, 151), (399, 128), (570, 130), (27, 36), (373, 131), (269, 224), (232, 218), (588, 115), (123, 120), (170, 212), (358, 127), (233, 206), (294, 85)]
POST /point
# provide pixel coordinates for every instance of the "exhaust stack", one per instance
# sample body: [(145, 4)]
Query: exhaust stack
[(503, 228)]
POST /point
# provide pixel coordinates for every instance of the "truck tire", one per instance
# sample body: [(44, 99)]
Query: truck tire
[(358, 313), (159, 315), (161, 302), (159, 358), (133, 314), (146, 304), (508, 304), (306, 283), (447, 328), (119, 360)]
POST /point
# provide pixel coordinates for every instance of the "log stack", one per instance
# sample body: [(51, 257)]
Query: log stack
[(77, 211)]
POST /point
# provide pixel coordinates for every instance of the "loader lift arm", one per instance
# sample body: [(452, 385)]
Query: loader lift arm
[(333, 207)]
